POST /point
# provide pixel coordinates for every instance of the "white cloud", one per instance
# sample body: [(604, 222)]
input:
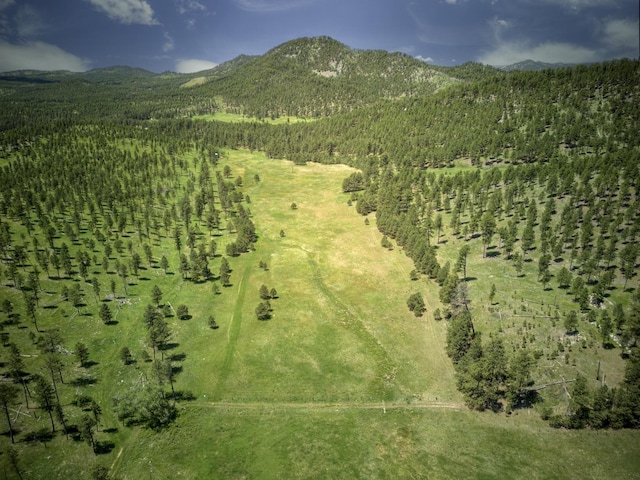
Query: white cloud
[(451, 2), (548, 52), (577, 5), (193, 65), (169, 44), (617, 38), (38, 56), (192, 9), (127, 11), (622, 35), (187, 6), (6, 3), (423, 59), (502, 23), (270, 5)]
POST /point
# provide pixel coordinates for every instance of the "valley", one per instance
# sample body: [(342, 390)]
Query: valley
[(243, 281)]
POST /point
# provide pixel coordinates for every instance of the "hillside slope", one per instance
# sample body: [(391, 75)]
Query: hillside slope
[(316, 77)]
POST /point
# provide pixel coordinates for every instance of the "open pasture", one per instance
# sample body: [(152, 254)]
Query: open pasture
[(341, 382)]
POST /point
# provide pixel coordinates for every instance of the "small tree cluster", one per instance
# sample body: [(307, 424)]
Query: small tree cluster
[(263, 310), (416, 304), (266, 294)]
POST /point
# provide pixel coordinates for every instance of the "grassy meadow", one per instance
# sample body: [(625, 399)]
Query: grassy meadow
[(342, 382), (224, 116)]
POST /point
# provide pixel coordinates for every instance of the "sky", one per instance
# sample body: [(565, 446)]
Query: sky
[(191, 35)]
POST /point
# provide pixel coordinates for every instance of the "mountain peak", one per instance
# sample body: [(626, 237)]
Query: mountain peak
[(304, 44), (322, 54)]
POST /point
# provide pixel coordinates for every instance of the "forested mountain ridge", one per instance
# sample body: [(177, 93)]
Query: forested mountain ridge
[(322, 77), (314, 77), (517, 116), (532, 66)]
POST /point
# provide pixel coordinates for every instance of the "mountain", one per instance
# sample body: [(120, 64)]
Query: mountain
[(320, 76), (469, 71), (118, 73), (533, 66)]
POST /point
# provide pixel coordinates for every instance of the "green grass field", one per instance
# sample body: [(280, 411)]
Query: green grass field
[(342, 382), (224, 116)]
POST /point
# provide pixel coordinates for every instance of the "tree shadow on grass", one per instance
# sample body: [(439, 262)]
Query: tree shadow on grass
[(42, 435), (178, 357), (171, 346), (185, 395), (527, 400), (103, 447), (83, 381)]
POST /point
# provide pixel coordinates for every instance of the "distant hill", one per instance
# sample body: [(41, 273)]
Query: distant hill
[(116, 74), (470, 71), (320, 76), (533, 66)]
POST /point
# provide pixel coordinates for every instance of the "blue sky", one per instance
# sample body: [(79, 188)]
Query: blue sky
[(192, 35)]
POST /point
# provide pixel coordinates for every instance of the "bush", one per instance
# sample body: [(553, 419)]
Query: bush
[(416, 304), (183, 312), (263, 311)]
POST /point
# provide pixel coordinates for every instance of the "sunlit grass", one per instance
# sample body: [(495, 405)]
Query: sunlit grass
[(239, 118), (342, 382)]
